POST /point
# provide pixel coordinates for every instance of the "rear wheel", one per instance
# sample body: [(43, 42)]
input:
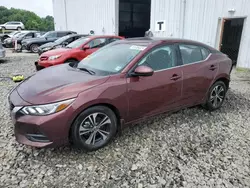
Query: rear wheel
[(34, 48), (94, 128), (216, 96), (19, 28)]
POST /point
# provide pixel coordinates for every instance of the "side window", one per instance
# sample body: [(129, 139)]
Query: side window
[(161, 58), (205, 53), (191, 53), (97, 43), (29, 35), (51, 35), (61, 34), (113, 40), (70, 40)]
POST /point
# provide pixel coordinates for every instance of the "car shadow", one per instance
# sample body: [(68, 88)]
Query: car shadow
[(153, 123)]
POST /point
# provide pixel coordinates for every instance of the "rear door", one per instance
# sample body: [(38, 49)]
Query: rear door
[(199, 71), (157, 93)]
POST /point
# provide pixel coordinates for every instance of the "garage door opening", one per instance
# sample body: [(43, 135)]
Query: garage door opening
[(231, 37), (134, 17)]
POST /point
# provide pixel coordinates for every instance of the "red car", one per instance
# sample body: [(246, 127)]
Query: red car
[(75, 51), (120, 84)]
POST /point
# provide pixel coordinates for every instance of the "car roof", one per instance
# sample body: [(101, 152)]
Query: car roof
[(104, 36), (157, 40)]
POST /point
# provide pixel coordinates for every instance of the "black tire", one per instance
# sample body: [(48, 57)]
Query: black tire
[(94, 135), (3, 28), (71, 61), (34, 48), (19, 29), (216, 96)]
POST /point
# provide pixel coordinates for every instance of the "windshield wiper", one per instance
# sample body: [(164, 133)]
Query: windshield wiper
[(87, 70), (68, 47)]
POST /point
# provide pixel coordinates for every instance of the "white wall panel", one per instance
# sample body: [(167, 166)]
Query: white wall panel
[(85, 15), (59, 14), (199, 19)]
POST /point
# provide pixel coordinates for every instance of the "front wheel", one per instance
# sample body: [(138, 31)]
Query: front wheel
[(216, 96), (94, 128), (34, 48), (19, 28)]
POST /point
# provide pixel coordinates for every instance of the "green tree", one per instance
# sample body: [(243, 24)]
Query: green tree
[(29, 19)]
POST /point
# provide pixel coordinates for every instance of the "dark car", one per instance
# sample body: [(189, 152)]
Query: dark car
[(61, 42), (89, 102), (51, 36), (23, 36)]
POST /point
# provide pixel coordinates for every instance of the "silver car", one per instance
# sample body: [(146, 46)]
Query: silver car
[(2, 51)]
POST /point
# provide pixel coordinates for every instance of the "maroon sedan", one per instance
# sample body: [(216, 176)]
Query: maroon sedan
[(89, 102)]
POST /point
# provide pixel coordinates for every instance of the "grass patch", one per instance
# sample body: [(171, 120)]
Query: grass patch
[(239, 69)]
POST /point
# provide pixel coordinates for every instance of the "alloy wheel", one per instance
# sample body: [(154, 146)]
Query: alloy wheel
[(95, 128), (217, 96)]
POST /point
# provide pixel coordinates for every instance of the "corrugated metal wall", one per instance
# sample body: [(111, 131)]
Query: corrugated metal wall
[(59, 14), (85, 15), (200, 20), (190, 19)]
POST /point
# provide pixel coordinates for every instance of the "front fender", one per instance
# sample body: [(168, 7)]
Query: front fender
[(113, 93)]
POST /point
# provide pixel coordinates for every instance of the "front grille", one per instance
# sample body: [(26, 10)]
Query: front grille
[(44, 58)]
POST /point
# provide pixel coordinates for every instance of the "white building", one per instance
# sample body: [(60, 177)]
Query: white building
[(223, 24)]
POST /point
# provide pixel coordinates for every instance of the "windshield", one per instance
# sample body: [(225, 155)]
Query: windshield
[(112, 58), (46, 34), (20, 35), (77, 43), (14, 33), (62, 39)]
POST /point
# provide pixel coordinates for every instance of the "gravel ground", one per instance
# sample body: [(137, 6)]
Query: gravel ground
[(190, 148)]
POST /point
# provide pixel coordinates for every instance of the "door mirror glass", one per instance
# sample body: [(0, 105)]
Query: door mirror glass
[(143, 71)]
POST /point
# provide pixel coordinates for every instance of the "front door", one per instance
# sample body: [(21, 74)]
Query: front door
[(158, 93), (94, 45), (199, 71)]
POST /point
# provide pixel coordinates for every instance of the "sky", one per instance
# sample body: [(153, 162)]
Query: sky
[(41, 7)]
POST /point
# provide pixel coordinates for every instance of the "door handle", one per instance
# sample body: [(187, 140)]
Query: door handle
[(175, 77), (212, 67)]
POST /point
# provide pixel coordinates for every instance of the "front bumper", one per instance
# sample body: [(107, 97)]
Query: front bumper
[(38, 67), (39, 131), (25, 47)]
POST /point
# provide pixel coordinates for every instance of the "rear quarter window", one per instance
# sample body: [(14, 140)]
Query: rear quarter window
[(193, 53)]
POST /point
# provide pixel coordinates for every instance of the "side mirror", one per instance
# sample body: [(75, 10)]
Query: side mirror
[(143, 71), (86, 47)]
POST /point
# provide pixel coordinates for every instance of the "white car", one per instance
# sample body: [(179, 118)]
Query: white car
[(12, 26)]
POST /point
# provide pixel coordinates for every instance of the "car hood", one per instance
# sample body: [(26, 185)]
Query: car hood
[(57, 83), (56, 51), (38, 39), (50, 44)]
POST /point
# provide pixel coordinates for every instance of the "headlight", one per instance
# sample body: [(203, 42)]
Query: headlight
[(42, 110), (46, 49), (54, 57)]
